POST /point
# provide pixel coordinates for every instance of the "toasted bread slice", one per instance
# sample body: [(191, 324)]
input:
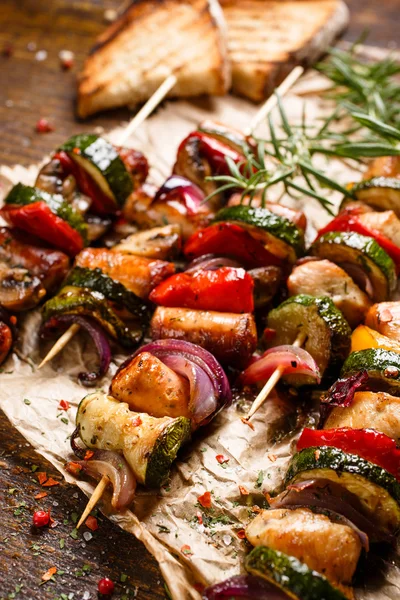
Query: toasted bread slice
[(151, 40), (267, 38)]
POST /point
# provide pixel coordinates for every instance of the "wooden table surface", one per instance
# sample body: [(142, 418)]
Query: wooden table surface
[(30, 89)]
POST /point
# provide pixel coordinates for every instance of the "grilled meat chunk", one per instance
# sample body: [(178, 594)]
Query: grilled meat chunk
[(332, 549), (146, 384), (138, 274), (386, 222), (232, 338), (383, 166), (49, 266), (158, 242), (385, 318), (369, 410), (324, 278)]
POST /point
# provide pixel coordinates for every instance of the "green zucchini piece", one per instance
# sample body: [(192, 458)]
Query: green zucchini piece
[(382, 366), (102, 162), (22, 195), (382, 193), (289, 574), (79, 301), (328, 333), (347, 248), (96, 280), (149, 444), (377, 490), (278, 234)]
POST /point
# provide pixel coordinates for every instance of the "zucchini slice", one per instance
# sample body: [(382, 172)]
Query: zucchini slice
[(22, 195), (279, 235), (328, 333), (377, 490), (382, 193), (290, 575), (79, 301), (115, 292), (349, 250), (149, 444), (382, 366), (102, 162)]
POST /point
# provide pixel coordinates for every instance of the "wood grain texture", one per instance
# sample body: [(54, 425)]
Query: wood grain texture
[(30, 89)]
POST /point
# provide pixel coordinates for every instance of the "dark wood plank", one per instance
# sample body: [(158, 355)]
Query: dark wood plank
[(28, 90)]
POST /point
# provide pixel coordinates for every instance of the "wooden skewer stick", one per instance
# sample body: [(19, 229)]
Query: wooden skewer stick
[(272, 381), (272, 100), (95, 497), (137, 120)]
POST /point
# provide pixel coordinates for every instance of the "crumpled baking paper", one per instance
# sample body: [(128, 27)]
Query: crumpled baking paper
[(194, 547)]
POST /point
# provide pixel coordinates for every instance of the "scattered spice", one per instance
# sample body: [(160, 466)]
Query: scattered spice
[(41, 518), (272, 457), (205, 500), (74, 468), (50, 482), (186, 550), (64, 405), (221, 459), (241, 534), (243, 490), (247, 422), (91, 523), (260, 479), (42, 477), (89, 454), (40, 495), (105, 586), (49, 574), (66, 59), (199, 517), (136, 421), (43, 126)]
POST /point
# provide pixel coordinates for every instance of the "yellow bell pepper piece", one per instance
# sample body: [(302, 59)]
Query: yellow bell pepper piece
[(364, 337)]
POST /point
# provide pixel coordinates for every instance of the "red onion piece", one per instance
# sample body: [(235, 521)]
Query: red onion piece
[(76, 449), (342, 391), (98, 336), (359, 276), (292, 359), (115, 467), (181, 189), (325, 495), (211, 262), (210, 391), (247, 587)]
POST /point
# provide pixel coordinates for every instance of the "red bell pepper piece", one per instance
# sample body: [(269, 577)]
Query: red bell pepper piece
[(215, 151), (225, 290), (229, 239), (37, 218), (369, 444), (348, 220), (101, 203)]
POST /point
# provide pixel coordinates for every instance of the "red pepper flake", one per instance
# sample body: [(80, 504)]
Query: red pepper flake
[(64, 405), (8, 50), (91, 523), (13, 320), (89, 454), (272, 457), (255, 509), (268, 497), (205, 500), (76, 150), (241, 534), (74, 468), (43, 126), (49, 574), (41, 495), (221, 459), (51, 482), (136, 421), (42, 477), (243, 490), (199, 517), (186, 550)]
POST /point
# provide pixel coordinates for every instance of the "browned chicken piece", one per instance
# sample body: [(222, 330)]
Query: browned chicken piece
[(146, 384), (232, 338), (332, 549), (385, 318), (141, 209), (19, 290), (387, 223), (6, 336), (138, 274), (159, 242), (324, 278), (296, 216), (383, 166), (136, 163), (266, 283), (369, 410), (50, 266)]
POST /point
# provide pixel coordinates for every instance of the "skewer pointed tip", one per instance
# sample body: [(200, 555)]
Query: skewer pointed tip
[(60, 343), (95, 497)]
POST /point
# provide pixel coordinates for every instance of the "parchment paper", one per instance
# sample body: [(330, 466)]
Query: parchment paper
[(168, 520)]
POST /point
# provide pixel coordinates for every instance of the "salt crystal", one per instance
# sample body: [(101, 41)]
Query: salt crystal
[(110, 15), (87, 536), (31, 46), (86, 596), (227, 540), (41, 55)]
